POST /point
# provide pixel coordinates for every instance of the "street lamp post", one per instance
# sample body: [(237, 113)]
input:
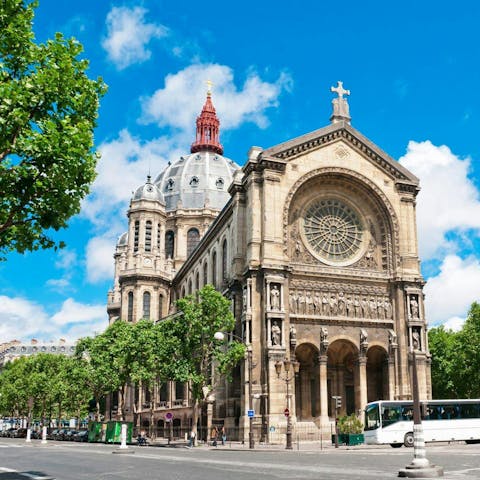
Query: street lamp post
[(288, 378), (420, 466), (221, 336)]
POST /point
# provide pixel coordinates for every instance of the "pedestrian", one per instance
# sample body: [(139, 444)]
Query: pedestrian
[(213, 436), (191, 442), (224, 436)]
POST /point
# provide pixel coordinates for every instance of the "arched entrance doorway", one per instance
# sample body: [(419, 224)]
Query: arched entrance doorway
[(342, 376), (307, 389), (377, 374)]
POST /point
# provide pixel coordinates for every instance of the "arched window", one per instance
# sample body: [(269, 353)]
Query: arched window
[(205, 273), (158, 235), (146, 305), (160, 306), (135, 236), (179, 391), (197, 281), (193, 237), (189, 287), (214, 268), (148, 236), (183, 292), (130, 307), (169, 244), (224, 260)]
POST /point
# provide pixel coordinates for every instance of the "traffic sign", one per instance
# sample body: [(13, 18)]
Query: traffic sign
[(251, 413), (286, 412), (169, 416)]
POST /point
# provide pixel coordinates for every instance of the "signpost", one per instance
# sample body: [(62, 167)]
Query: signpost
[(169, 420), (251, 413)]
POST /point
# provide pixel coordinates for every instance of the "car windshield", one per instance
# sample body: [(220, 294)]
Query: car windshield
[(372, 417)]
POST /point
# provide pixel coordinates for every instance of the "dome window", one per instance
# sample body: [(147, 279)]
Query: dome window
[(194, 182), (170, 184), (181, 159), (198, 158), (215, 158), (220, 183)]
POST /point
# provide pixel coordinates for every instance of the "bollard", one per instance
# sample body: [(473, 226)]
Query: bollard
[(44, 434), (123, 436), (29, 435)]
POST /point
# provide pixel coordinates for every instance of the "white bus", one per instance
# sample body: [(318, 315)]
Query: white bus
[(391, 422)]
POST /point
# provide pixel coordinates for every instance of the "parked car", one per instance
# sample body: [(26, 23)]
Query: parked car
[(20, 433), (60, 434), (51, 435), (81, 436), (36, 434), (11, 432), (69, 435)]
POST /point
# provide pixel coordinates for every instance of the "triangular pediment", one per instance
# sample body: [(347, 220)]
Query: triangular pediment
[(286, 151)]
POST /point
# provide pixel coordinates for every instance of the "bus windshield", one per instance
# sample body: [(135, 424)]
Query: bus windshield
[(372, 417)]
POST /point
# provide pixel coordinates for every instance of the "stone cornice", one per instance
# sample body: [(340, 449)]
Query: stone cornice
[(342, 131)]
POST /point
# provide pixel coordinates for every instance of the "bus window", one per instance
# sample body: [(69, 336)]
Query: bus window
[(390, 414), (407, 413), (469, 410)]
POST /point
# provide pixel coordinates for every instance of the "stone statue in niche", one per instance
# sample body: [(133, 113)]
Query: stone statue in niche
[(373, 308), (276, 334), (349, 307), (293, 335), (323, 334), (274, 297), (325, 305), (244, 299), (358, 307), (364, 305), (416, 338), (413, 306), (341, 304)]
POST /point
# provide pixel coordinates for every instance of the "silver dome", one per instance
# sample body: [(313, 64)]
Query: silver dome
[(148, 191), (122, 240), (197, 180)]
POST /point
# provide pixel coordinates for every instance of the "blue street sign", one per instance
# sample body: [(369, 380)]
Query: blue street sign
[(251, 413)]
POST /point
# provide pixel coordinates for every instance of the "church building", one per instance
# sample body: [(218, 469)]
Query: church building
[(314, 241)]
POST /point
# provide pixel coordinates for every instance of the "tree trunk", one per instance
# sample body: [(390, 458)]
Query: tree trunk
[(196, 405)]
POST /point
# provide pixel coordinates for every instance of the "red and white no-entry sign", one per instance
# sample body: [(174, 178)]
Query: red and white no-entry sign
[(286, 412)]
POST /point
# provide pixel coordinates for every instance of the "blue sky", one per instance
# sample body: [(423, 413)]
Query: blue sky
[(412, 69)]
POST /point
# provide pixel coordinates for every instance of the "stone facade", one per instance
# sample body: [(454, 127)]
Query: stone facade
[(317, 249)]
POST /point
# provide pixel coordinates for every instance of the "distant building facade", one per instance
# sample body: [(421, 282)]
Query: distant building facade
[(313, 240)]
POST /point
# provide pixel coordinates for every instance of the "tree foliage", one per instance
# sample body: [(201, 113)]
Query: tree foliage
[(456, 358), (48, 110)]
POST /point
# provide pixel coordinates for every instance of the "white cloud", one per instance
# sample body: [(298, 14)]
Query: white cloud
[(454, 323), (128, 35), (179, 103), (23, 319), (74, 312), (66, 259), (448, 201), (99, 254), (453, 290)]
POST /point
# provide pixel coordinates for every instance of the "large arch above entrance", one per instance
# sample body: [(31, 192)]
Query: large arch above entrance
[(377, 374), (343, 379), (307, 389)]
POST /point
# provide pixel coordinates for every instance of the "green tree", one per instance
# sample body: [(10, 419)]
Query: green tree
[(456, 358), (48, 110), (192, 354)]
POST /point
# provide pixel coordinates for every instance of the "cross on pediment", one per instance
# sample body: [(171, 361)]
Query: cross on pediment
[(340, 90)]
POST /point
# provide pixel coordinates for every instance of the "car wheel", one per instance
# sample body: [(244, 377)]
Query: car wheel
[(408, 440), (395, 445)]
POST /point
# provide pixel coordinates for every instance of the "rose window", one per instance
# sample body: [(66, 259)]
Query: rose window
[(333, 230)]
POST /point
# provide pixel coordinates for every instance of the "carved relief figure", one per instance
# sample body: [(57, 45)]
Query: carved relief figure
[(308, 304), (317, 304), (358, 308), (293, 301), (341, 304), (276, 334), (333, 305), (388, 309), (364, 305), (325, 305), (293, 334), (275, 297), (301, 303), (323, 334), (380, 309), (349, 307), (244, 299), (373, 308)]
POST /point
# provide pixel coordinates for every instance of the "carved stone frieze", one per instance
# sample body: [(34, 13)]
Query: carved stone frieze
[(324, 299)]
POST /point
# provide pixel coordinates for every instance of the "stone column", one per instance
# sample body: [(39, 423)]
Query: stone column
[(341, 387), (362, 382), (323, 421), (391, 376)]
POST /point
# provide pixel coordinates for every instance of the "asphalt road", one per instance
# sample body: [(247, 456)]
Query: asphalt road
[(72, 461)]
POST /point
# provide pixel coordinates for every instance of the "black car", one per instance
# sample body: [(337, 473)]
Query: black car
[(61, 434), (51, 435), (20, 433), (69, 435), (81, 436)]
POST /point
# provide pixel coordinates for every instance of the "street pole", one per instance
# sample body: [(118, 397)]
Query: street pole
[(420, 466), (251, 439), (289, 421)]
